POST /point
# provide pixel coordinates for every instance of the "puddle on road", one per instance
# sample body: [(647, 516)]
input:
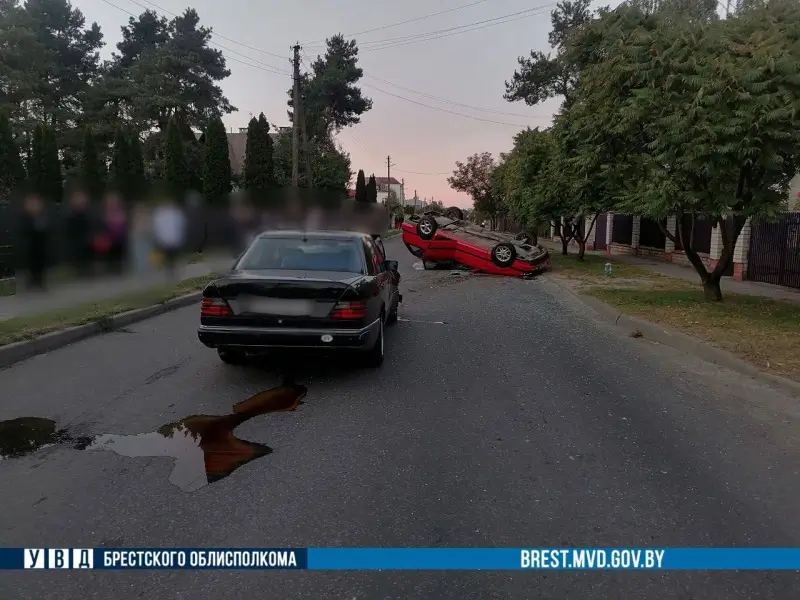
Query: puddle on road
[(204, 447), (24, 435)]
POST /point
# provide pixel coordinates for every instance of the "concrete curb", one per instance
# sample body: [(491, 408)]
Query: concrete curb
[(19, 351), (680, 341)]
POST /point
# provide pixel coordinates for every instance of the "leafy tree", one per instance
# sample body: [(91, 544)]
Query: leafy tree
[(176, 174), (136, 163), (474, 177), (258, 167), (331, 165), (332, 99), (36, 158), (702, 118), (91, 171), (361, 187), (12, 172), (372, 189), (216, 163)]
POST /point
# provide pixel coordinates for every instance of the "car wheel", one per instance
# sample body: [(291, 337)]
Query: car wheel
[(391, 319), (231, 357), (455, 213), (504, 254), (427, 227), (374, 357)]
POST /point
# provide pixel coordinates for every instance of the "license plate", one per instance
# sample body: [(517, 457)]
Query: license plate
[(276, 306)]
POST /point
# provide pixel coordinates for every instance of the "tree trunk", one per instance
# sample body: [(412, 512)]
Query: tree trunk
[(564, 246), (581, 249), (712, 290)]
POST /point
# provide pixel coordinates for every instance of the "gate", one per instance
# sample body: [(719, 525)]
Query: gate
[(774, 255), (623, 230), (600, 232), (6, 241)]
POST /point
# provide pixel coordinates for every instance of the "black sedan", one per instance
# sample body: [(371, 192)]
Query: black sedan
[(306, 290)]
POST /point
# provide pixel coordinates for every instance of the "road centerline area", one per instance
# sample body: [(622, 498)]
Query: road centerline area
[(527, 424)]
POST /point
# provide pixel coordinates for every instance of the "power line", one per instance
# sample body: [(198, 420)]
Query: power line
[(453, 102), (219, 35), (372, 45), (444, 110), (422, 173), (414, 20)]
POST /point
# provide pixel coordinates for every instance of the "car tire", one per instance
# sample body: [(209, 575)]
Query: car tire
[(426, 228), (374, 356), (232, 357), (454, 213), (504, 254), (391, 319)]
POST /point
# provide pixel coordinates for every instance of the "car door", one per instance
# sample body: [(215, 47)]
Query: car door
[(375, 263)]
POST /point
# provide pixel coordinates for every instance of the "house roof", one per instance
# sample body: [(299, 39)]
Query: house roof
[(237, 147), (386, 180)]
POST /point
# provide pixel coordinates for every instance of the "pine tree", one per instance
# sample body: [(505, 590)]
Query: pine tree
[(372, 189), (52, 178), (36, 160), (361, 187), (136, 164), (91, 174), (216, 163), (176, 174), (257, 169), (119, 177), (268, 149), (12, 173)]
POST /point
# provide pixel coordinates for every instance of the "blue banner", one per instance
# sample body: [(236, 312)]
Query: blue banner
[(422, 559)]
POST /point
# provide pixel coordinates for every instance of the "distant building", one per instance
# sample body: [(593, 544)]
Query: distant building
[(385, 184), (237, 146)]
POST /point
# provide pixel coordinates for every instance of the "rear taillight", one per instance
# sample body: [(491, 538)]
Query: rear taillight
[(215, 307), (349, 310)]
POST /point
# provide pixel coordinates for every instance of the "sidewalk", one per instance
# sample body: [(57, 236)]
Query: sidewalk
[(747, 288), (84, 292)]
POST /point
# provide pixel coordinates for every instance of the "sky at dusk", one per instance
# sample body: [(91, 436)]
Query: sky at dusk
[(415, 85)]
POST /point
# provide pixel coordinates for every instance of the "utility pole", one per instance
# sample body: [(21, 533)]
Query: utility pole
[(296, 116), (306, 152)]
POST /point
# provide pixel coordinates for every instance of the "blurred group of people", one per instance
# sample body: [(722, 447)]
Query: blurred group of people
[(114, 235)]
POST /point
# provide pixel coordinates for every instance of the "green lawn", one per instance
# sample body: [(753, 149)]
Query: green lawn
[(26, 328)]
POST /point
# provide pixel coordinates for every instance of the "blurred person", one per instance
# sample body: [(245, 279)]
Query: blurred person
[(141, 237), (79, 231), (35, 232), (169, 231), (115, 230)]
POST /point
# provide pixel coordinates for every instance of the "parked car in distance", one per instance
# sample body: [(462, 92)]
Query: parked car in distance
[(326, 290), (449, 239)]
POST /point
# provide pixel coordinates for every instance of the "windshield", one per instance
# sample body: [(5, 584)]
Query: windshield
[(299, 254)]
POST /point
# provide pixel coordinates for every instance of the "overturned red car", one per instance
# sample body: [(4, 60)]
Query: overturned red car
[(449, 239)]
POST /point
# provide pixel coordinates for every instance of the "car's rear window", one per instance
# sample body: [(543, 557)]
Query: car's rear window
[(303, 254)]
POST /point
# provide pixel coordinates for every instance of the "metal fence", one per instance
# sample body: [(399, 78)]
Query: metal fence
[(651, 234), (701, 237), (600, 232), (774, 255), (623, 230)]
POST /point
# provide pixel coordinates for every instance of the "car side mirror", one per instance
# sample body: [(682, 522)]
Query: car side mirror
[(391, 265)]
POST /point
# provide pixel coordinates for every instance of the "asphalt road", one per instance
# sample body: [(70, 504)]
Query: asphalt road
[(517, 421)]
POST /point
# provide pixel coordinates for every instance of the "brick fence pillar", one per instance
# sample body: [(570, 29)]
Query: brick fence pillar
[(741, 252), (669, 245), (716, 247), (609, 231), (637, 228)]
